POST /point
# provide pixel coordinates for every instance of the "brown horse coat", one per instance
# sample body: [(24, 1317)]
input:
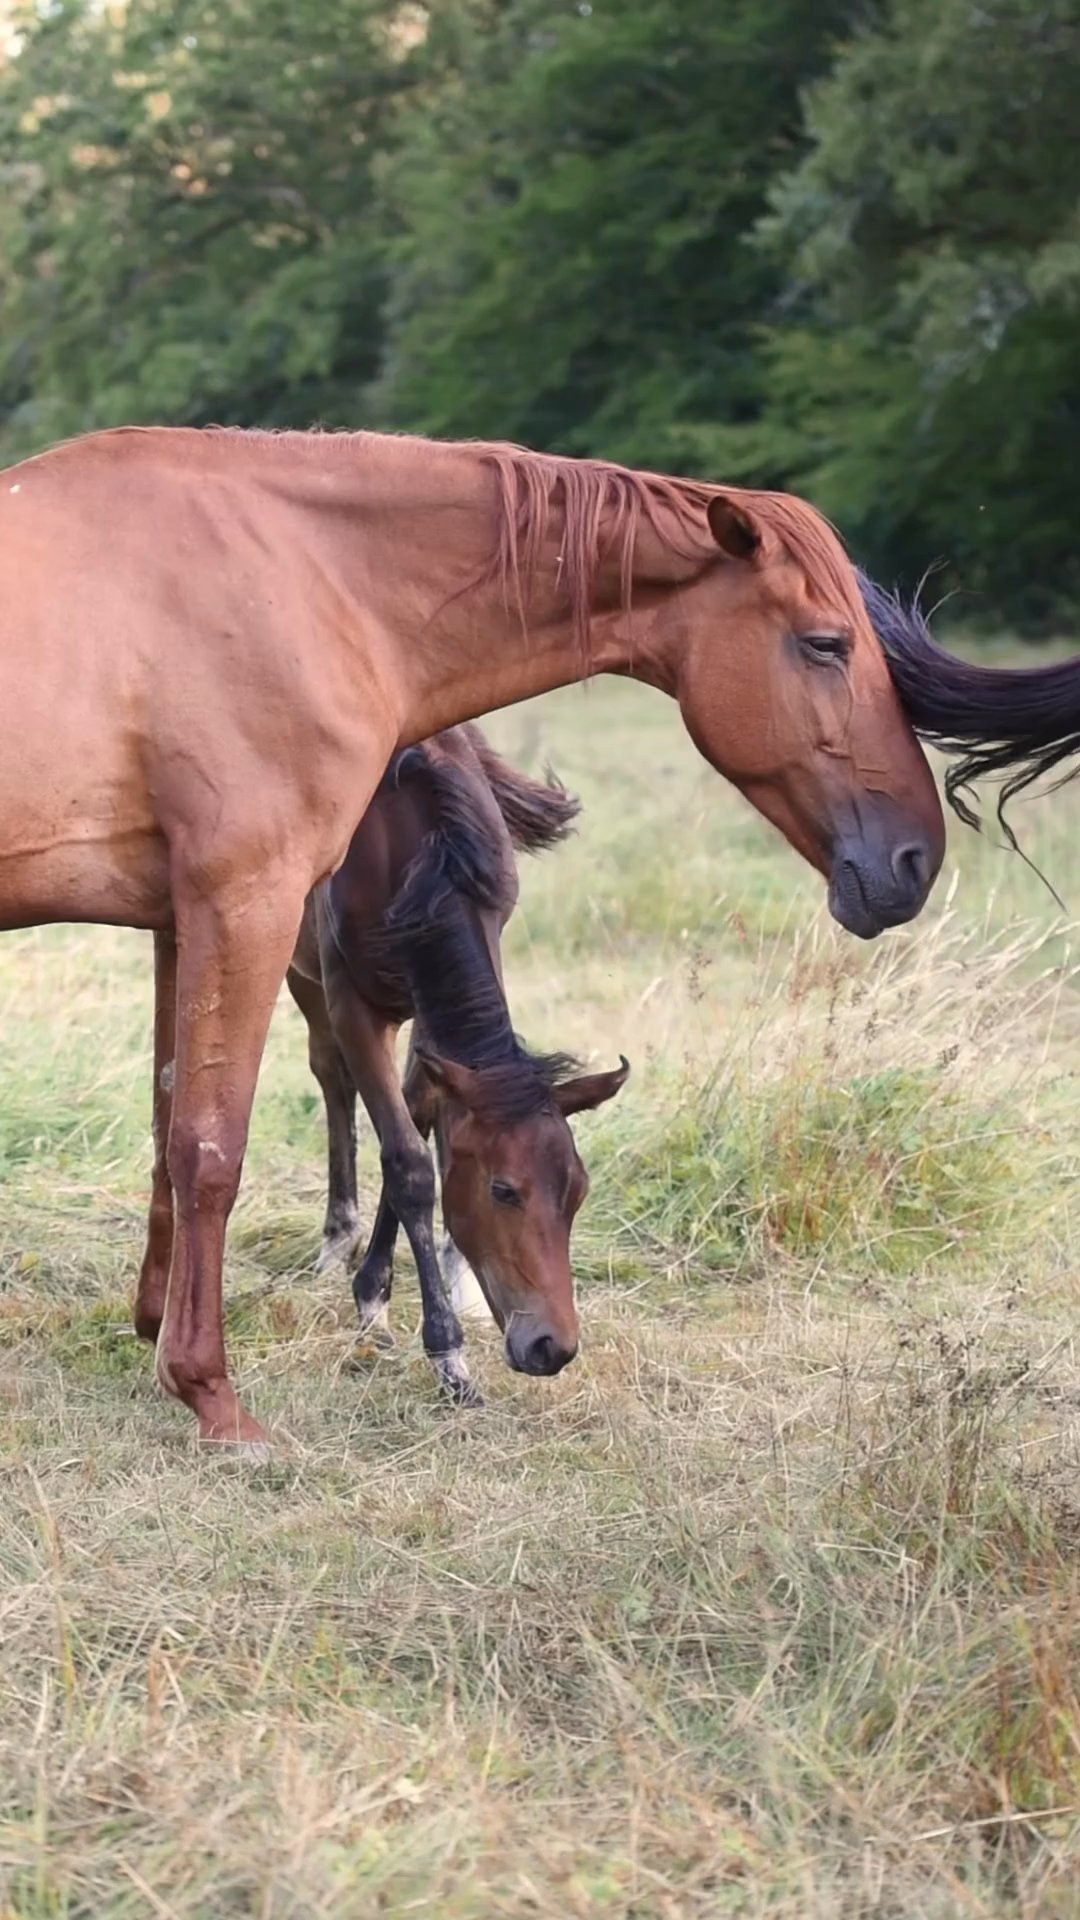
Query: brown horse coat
[(409, 928), (212, 643)]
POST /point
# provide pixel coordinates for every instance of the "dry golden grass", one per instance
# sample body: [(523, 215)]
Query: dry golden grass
[(770, 1605)]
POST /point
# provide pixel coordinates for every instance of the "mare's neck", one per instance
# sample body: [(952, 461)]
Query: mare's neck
[(414, 528)]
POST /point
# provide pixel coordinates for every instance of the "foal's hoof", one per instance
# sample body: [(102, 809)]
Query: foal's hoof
[(224, 1425), (456, 1381), (373, 1340), (337, 1249), (366, 1352)]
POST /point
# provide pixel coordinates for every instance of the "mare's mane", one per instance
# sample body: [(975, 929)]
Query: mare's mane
[(597, 507), (603, 507)]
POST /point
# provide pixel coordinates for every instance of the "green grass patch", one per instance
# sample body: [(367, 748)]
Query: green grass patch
[(886, 1171), (766, 1607)]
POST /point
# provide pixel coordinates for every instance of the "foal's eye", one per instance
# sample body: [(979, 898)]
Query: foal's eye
[(826, 646), (505, 1194)]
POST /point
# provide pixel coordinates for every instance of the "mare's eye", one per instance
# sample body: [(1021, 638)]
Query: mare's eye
[(505, 1194), (826, 646)]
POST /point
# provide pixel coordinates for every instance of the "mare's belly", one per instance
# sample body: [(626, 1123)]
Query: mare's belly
[(121, 880)]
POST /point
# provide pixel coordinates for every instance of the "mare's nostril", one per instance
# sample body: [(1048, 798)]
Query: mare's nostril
[(911, 868)]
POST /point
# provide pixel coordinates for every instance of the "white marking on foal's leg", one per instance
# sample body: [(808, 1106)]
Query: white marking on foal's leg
[(466, 1293), (374, 1335), (168, 1075), (374, 1313), (455, 1378), (340, 1243)]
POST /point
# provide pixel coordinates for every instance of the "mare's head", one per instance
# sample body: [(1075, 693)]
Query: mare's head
[(745, 606), (512, 1182), (785, 689)]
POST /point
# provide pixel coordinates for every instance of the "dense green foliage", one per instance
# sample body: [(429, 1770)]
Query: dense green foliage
[(924, 380), (820, 246), (188, 230)]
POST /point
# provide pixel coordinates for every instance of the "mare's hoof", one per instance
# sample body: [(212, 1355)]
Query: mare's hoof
[(253, 1453)]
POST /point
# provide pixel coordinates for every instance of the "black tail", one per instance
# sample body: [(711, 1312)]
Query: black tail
[(538, 813), (1013, 724), (459, 855)]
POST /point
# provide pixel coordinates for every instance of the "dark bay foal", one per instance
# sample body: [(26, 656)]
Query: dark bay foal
[(409, 928)]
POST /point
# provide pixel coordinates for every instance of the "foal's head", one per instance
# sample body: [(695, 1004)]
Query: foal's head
[(785, 689), (512, 1182)]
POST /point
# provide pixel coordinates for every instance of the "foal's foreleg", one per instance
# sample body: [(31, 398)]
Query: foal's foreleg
[(374, 1278), (367, 1041), (341, 1226), (463, 1288), (154, 1274)]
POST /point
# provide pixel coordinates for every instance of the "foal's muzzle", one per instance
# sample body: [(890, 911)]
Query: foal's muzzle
[(536, 1350)]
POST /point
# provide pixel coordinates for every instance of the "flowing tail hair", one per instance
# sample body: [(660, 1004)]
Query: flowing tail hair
[(538, 813)]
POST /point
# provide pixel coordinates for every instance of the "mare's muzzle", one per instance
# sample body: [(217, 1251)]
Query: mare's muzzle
[(880, 878)]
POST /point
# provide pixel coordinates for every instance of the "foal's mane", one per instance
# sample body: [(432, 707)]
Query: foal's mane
[(433, 931), (602, 509)]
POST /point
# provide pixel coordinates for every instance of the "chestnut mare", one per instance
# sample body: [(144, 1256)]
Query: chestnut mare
[(408, 929), (213, 642)]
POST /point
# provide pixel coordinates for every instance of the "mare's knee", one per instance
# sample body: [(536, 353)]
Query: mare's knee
[(204, 1167)]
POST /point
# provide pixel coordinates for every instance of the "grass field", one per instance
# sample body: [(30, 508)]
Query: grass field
[(769, 1605)]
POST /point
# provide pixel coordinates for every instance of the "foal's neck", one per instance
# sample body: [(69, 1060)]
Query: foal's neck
[(455, 990)]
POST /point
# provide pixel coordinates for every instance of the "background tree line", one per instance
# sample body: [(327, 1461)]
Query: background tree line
[(812, 243)]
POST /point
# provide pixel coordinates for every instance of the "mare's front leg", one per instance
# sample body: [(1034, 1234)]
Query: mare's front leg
[(341, 1227), (154, 1274), (232, 954), (367, 1041)]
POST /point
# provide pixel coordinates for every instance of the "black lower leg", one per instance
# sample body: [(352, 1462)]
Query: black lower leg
[(374, 1277), (331, 1070), (410, 1182), (340, 1224)]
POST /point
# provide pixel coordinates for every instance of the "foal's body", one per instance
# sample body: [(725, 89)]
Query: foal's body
[(212, 643), (447, 815)]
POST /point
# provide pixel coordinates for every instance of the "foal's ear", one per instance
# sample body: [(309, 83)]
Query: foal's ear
[(734, 529), (591, 1089), (447, 1076)]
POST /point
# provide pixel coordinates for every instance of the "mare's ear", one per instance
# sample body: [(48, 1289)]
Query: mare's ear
[(448, 1076), (734, 529), (591, 1089)]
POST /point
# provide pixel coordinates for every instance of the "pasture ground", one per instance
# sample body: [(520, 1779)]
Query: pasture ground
[(770, 1605)]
